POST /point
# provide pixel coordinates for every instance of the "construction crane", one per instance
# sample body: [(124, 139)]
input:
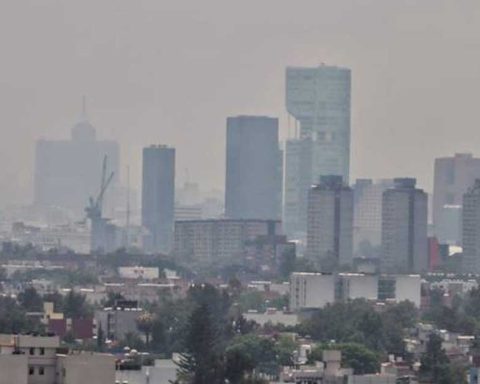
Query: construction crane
[(94, 211)]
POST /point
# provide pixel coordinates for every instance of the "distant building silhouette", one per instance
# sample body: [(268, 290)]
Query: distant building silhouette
[(158, 198), (68, 172), (330, 223), (319, 99), (453, 177), (253, 187), (471, 229), (404, 228)]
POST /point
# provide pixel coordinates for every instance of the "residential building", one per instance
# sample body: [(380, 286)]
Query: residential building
[(118, 320), (311, 290), (253, 183), (28, 359), (367, 216), (453, 176), (158, 198), (319, 100), (330, 223), (404, 228), (219, 240), (68, 172), (471, 229)]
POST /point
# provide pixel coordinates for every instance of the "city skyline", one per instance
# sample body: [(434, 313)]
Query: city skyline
[(387, 82)]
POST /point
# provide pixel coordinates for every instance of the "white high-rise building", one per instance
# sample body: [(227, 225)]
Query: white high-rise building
[(319, 100)]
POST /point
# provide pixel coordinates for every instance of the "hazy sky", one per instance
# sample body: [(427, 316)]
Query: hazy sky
[(171, 71)]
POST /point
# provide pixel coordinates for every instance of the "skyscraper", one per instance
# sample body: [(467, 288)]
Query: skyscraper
[(453, 177), (68, 172), (298, 162), (319, 99), (404, 228), (158, 197), (253, 187), (471, 229), (330, 223), (367, 219)]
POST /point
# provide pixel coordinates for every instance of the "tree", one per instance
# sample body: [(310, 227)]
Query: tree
[(434, 361), (356, 356), (30, 300), (201, 363), (75, 305)]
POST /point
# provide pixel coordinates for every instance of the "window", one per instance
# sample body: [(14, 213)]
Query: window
[(42, 351), (31, 371), (32, 351), (41, 371)]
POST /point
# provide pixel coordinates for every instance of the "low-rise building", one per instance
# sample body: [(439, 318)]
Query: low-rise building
[(315, 290), (118, 320), (28, 359)]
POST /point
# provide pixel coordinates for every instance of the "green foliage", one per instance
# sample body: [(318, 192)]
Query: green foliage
[(30, 300), (201, 363), (13, 318), (356, 356), (251, 300), (461, 317), (75, 306), (358, 322), (436, 367)]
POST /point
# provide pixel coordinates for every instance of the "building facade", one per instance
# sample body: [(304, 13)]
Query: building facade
[(220, 240), (28, 359), (367, 217), (253, 183), (158, 198), (316, 290), (330, 223), (453, 177), (471, 229), (404, 228), (298, 179), (319, 101)]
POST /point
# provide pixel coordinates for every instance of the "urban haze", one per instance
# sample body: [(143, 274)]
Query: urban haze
[(250, 192)]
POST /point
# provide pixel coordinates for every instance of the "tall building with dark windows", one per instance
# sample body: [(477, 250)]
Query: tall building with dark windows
[(158, 198), (330, 223), (253, 183), (404, 228), (471, 229), (452, 179), (319, 100)]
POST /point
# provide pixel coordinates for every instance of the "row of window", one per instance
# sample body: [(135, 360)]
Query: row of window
[(41, 351), (41, 371)]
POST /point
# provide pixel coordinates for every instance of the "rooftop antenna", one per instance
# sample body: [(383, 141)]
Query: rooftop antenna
[(83, 115)]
